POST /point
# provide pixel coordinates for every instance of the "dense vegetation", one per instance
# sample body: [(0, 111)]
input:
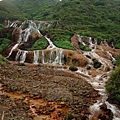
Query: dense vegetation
[(39, 44), (61, 38), (96, 18), (3, 60), (113, 84), (3, 43)]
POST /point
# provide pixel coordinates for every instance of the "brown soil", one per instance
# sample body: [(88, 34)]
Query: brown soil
[(40, 93)]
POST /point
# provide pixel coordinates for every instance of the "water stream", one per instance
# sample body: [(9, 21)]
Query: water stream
[(98, 82), (36, 57), (13, 48), (51, 45), (55, 57)]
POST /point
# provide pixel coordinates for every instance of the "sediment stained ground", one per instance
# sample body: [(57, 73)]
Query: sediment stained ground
[(34, 92)]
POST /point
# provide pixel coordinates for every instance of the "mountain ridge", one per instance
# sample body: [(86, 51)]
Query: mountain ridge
[(98, 19)]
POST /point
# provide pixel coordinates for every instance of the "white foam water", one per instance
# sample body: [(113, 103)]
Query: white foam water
[(13, 48)]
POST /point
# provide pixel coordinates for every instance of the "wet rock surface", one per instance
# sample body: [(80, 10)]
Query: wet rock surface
[(36, 91)]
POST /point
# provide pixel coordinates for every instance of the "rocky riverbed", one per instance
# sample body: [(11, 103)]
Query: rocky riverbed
[(41, 93)]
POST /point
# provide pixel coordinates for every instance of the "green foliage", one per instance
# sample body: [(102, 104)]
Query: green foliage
[(3, 60), (21, 64), (117, 44), (65, 44), (1, 26), (113, 84), (98, 41), (117, 62), (73, 68), (96, 63), (88, 67), (98, 19), (4, 43), (40, 44), (82, 47), (9, 10), (61, 38)]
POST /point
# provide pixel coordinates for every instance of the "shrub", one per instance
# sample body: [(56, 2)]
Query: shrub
[(73, 68), (64, 44), (3, 43), (117, 62), (98, 41), (96, 63), (40, 44), (61, 38), (82, 47), (3, 60), (21, 64), (113, 84), (1, 26), (88, 67)]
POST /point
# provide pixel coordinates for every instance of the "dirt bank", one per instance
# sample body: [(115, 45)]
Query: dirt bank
[(34, 93)]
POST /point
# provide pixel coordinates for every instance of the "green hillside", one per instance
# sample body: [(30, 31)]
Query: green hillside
[(95, 18), (10, 11)]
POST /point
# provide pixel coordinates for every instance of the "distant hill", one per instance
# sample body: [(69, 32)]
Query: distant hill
[(96, 18), (9, 10)]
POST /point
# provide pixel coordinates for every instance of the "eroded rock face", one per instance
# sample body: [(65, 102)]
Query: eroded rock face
[(15, 34), (34, 36), (26, 33), (6, 33), (74, 58), (56, 56), (75, 42)]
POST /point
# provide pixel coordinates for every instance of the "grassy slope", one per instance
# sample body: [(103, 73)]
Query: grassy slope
[(96, 18)]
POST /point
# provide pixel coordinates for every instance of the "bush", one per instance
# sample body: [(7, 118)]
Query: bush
[(73, 68), (96, 63), (3, 60), (113, 84), (1, 26), (40, 44), (88, 67), (64, 44), (21, 64), (3, 43), (61, 38), (117, 62), (82, 47), (98, 41)]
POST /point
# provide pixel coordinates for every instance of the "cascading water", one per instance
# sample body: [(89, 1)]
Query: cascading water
[(51, 45), (14, 47), (24, 34), (100, 86), (92, 45), (36, 56), (113, 59), (98, 82), (21, 56), (18, 55), (43, 59), (80, 40), (59, 56)]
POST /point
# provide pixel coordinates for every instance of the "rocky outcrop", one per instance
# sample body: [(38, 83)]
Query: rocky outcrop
[(15, 34), (75, 42), (34, 36), (56, 56), (74, 58)]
